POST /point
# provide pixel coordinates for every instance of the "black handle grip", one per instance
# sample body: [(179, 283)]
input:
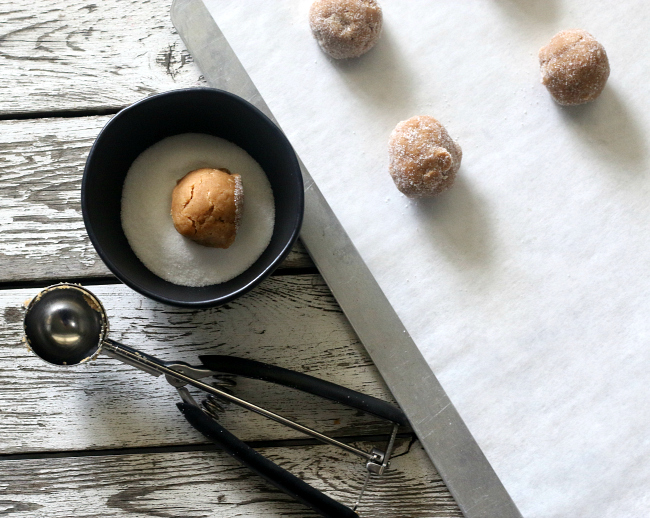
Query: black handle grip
[(272, 473), (297, 380)]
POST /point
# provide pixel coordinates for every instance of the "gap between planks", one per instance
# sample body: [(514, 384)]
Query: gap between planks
[(98, 281), (58, 114), (287, 443)]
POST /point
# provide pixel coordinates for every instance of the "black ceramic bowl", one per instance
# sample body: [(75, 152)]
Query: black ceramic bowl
[(195, 110)]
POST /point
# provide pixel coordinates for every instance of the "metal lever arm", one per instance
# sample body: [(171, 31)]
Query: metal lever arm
[(183, 376), (272, 473), (297, 380)]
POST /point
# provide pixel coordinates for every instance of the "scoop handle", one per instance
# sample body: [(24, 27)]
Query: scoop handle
[(269, 471), (132, 357), (297, 380)]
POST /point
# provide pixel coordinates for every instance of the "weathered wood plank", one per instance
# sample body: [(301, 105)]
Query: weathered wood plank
[(86, 55), (42, 235), (200, 484), (291, 321)]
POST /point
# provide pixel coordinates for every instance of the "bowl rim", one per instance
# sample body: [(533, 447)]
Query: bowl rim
[(207, 302)]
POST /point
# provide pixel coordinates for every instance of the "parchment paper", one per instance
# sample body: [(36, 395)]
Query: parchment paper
[(527, 286)]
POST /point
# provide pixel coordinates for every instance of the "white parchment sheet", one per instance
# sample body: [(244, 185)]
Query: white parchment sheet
[(527, 286)]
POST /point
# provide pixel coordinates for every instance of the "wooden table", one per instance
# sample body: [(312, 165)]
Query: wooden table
[(105, 439)]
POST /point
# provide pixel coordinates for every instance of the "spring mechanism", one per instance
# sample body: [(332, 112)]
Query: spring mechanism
[(214, 405)]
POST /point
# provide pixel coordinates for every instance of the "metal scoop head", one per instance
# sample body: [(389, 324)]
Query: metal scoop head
[(65, 324)]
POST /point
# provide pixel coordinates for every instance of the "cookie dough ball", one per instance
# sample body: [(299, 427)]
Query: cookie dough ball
[(345, 28), (207, 206), (574, 67), (423, 159)]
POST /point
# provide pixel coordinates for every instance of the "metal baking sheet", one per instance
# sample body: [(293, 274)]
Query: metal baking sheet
[(443, 434)]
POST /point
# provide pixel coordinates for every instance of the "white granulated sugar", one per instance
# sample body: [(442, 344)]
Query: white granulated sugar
[(146, 206)]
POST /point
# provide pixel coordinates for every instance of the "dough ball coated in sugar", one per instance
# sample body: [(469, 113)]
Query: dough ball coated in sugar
[(345, 28), (207, 206), (574, 67), (423, 159)]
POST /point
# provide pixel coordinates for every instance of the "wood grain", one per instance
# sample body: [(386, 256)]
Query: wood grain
[(202, 484), (86, 55), (42, 235), (291, 321)]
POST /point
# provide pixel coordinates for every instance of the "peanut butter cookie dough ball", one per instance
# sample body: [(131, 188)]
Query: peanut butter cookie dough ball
[(574, 67), (345, 28), (207, 206), (423, 159)]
